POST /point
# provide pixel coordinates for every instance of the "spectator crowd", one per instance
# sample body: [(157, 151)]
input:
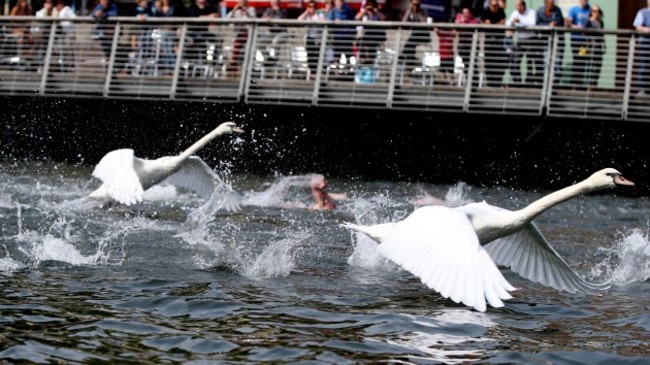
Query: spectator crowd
[(504, 51)]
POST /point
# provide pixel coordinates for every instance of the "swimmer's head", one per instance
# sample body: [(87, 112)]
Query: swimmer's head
[(318, 181)]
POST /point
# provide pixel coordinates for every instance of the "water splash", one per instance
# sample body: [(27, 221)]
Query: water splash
[(628, 261), (457, 195), (280, 193), (378, 209), (7, 264), (58, 244), (48, 247), (160, 193), (277, 259), (6, 201)]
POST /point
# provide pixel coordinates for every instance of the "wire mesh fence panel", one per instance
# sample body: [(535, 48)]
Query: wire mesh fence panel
[(638, 107), (214, 61), (509, 71), (430, 72), (593, 76), (284, 63), (23, 45), (357, 63), (445, 67), (143, 59), (78, 58)]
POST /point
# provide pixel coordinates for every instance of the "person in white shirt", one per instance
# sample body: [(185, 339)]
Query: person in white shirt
[(63, 10), (527, 44)]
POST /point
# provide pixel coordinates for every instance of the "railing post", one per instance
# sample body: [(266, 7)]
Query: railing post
[(393, 70), (628, 77), (319, 66), (247, 65), (48, 59), (547, 88), (111, 59), (470, 72), (177, 66)]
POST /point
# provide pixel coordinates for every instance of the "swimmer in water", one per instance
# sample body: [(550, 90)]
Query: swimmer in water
[(324, 200)]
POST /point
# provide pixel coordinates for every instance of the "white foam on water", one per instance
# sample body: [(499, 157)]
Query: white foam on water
[(279, 193), (9, 265), (276, 260), (58, 244), (160, 193), (457, 195), (56, 249), (6, 201), (628, 261), (376, 210)]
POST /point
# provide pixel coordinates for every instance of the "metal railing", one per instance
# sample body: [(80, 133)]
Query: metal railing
[(443, 67)]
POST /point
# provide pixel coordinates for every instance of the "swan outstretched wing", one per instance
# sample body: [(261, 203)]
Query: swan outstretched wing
[(194, 174), (117, 173), (438, 245), (530, 255)]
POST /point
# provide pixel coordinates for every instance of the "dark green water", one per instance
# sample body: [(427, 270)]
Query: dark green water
[(278, 283)]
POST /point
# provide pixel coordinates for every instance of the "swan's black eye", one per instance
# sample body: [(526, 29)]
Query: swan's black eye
[(612, 174)]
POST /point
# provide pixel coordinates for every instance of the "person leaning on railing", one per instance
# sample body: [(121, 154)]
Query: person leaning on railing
[(343, 37), (550, 15), (526, 44), (199, 35), (369, 39), (103, 32), (642, 25), (20, 32), (577, 19), (313, 37), (414, 14), (495, 62), (466, 16), (595, 46), (240, 11)]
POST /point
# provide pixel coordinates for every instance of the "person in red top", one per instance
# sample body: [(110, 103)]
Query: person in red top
[(465, 35), (446, 52)]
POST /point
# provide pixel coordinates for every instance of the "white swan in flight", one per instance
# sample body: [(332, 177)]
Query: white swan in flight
[(126, 177), (454, 250)]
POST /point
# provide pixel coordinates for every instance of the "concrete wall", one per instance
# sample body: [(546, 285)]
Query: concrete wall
[(510, 151)]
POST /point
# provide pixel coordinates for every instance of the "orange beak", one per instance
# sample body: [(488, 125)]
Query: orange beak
[(620, 180)]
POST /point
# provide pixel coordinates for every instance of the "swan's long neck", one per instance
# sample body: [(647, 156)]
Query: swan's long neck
[(534, 209), (200, 144)]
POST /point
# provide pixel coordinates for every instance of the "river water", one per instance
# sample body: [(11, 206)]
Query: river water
[(171, 281)]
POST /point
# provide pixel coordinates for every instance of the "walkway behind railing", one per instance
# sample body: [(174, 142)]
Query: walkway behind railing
[(443, 67)]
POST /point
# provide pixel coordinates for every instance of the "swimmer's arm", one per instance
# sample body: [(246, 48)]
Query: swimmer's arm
[(338, 196)]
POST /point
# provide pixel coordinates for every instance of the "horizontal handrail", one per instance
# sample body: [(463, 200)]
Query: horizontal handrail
[(396, 65), (323, 23)]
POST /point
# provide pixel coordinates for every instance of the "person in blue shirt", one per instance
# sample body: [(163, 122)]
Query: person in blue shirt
[(642, 25), (577, 18), (343, 36), (549, 15), (104, 32)]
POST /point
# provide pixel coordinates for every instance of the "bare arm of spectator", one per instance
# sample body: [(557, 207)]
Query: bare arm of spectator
[(638, 24)]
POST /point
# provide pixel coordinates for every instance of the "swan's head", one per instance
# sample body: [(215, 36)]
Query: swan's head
[(608, 178), (229, 128)]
